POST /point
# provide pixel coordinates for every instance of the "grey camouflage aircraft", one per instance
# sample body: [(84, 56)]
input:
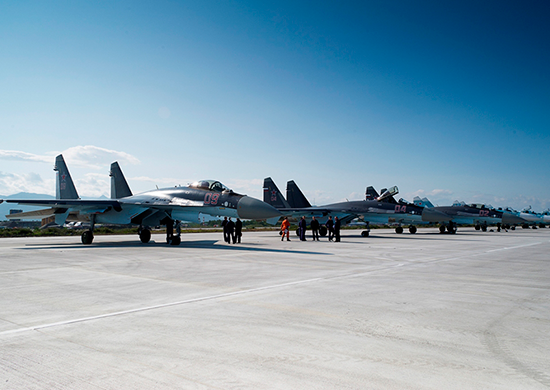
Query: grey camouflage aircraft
[(479, 215), (369, 210), (151, 208)]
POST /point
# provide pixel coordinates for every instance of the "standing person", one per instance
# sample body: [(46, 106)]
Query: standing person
[(302, 225), (224, 226), (230, 231), (238, 230), (330, 228), (314, 228), (284, 229), (336, 229)]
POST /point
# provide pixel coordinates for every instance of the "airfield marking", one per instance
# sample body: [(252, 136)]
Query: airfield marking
[(252, 290), (514, 247)]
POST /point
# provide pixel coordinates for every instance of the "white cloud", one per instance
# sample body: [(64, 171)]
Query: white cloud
[(15, 155), (11, 183), (87, 156), (96, 157)]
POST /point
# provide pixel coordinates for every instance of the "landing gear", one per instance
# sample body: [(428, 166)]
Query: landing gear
[(365, 233), (450, 228), (144, 235), (171, 239), (412, 229), (399, 229), (87, 237)]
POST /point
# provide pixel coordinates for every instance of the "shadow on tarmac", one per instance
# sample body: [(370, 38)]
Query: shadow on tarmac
[(204, 244)]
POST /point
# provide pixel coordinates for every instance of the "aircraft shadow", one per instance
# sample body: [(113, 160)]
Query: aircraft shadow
[(204, 244)]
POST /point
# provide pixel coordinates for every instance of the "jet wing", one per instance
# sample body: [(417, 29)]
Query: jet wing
[(308, 211), (66, 203), (58, 206), (37, 214)]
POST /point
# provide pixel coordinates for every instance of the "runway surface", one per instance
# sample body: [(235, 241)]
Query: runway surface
[(423, 311)]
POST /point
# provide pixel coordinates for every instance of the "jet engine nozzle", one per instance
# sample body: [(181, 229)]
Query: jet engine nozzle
[(251, 208), (429, 214)]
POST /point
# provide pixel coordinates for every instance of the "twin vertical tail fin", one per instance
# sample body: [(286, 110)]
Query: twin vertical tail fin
[(295, 197), (64, 186), (371, 194), (273, 196), (424, 202), (119, 185)]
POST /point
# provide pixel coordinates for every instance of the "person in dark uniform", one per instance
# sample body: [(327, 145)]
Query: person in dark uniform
[(230, 231), (224, 226), (330, 228), (302, 225), (314, 228), (238, 230), (336, 229)]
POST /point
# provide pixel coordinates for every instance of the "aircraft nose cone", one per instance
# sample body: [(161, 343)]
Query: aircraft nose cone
[(512, 219), (251, 208), (429, 214)]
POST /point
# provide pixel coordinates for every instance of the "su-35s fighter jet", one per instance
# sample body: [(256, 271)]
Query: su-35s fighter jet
[(371, 210), (152, 208)]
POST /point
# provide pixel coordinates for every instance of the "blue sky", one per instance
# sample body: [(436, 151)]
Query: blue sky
[(443, 99)]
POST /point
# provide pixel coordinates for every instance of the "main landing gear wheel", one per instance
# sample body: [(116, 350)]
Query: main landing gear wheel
[(442, 229), (399, 229), (175, 240), (87, 237), (412, 229), (365, 233), (145, 236)]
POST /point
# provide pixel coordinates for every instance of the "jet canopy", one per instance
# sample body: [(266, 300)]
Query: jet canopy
[(209, 185)]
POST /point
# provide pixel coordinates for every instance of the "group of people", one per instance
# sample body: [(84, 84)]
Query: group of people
[(232, 231), (333, 229)]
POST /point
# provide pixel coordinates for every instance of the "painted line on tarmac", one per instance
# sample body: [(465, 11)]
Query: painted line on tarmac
[(141, 309), (514, 247)]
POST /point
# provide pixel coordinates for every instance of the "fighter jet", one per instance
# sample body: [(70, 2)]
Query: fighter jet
[(479, 215), (369, 210), (151, 208)]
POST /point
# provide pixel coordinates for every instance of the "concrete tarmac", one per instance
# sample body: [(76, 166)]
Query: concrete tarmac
[(423, 311)]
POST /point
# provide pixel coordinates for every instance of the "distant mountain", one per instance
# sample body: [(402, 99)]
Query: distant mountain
[(6, 207)]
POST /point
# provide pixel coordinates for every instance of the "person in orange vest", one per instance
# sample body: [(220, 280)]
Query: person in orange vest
[(285, 229)]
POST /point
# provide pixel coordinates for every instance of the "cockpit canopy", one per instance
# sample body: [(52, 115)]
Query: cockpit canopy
[(209, 185)]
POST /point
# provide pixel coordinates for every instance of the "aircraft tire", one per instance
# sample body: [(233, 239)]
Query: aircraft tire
[(484, 228), (176, 240), (442, 229), (399, 229), (477, 227), (87, 237), (145, 236), (412, 229), (365, 233)]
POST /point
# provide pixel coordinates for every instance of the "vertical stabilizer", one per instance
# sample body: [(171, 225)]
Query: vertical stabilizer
[(424, 202), (119, 185), (64, 186), (371, 194), (273, 196), (295, 197)]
